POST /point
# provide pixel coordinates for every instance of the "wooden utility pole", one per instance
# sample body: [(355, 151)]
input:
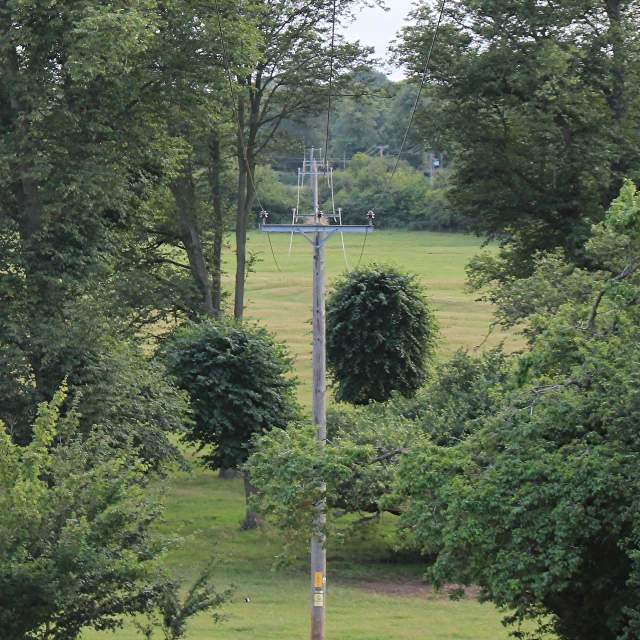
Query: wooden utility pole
[(317, 232), (319, 414)]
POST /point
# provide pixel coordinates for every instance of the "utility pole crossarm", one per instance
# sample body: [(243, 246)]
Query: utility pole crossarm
[(316, 228)]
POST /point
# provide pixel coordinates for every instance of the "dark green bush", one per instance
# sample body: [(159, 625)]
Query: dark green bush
[(236, 377), (381, 334)]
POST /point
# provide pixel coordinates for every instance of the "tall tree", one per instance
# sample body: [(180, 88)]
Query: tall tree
[(381, 334), (87, 155), (538, 507), (78, 101), (235, 375), (198, 100), (537, 104), (289, 80)]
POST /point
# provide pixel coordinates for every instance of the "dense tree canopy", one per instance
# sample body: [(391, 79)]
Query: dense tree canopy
[(538, 506), (410, 202), (86, 160), (537, 105), (365, 446), (235, 376)]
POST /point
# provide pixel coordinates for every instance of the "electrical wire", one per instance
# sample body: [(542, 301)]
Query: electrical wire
[(333, 209), (243, 146), (295, 214), (411, 119), (415, 106), (326, 143), (331, 61)]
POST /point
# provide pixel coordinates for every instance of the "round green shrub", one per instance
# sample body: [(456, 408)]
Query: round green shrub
[(381, 334), (236, 377)]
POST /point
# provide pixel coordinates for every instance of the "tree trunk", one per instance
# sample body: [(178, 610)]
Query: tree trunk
[(184, 193), (228, 474), (252, 520), (218, 219), (246, 196), (241, 237)]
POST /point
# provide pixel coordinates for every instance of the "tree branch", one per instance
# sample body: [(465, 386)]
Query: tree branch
[(380, 458)]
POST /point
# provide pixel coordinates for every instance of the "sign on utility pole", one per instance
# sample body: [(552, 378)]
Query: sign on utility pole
[(318, 231)]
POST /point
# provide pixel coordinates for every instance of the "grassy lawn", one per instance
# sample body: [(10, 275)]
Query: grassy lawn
[(371, 594), (359, 575), (282, 300)]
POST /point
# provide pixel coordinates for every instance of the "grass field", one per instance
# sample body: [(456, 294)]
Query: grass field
[(282, 300), (371, 594), (360, 576)]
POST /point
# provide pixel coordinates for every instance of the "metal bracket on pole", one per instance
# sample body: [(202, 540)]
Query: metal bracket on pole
[(304, 229)]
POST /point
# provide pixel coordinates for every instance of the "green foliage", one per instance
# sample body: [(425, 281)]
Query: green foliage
[(121, 386), (173, 612), (355, 129), (377, 117), (537, 506), (289, 468), (365, 447), (460, 393), (518, 480), (623, 218), (77, 549), (381, 334), (537, 107), (555, 279), (410, 202), (90, 142), (236, 377), (112, 384)]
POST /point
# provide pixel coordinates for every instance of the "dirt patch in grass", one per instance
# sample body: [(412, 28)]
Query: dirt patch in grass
[(412, 589)]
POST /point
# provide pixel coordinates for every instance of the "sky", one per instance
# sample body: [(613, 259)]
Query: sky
[(377, 28)]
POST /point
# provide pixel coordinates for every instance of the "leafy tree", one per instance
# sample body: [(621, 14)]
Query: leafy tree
[(355, 128), (365, 449), (236, 377), (77, 111), (409, 202), (87, 255), (288, 80), (381, 334), (537, 105), (200, 192), (77, 549), (538, 506), (395, 115)]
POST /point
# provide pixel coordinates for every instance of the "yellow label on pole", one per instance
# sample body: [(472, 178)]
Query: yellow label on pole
[(318, 599), (317, 580)]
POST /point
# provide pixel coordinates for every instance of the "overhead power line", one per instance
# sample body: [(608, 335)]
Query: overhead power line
[(411, 119)]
